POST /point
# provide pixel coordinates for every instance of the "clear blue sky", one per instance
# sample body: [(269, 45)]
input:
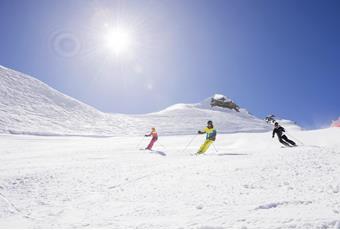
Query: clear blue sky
[(270, 56)]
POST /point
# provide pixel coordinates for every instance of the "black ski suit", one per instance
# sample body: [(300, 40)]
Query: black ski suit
[(282, 138)]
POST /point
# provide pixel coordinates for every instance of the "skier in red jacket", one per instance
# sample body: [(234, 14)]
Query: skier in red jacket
[(154, 135)]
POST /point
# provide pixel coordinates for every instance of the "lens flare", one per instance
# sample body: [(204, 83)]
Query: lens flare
[(118, 40), (65, 44)]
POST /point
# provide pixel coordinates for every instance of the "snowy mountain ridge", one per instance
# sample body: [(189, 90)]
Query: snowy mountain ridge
[(29, 106)]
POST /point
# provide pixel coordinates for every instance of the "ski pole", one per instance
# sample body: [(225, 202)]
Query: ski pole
[(192, 139), (215, 148)]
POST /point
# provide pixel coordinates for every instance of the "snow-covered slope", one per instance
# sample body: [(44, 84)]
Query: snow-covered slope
[(250, 182), (187, 118), (28, 106)]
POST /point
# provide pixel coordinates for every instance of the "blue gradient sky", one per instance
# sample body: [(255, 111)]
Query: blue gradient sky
[(270, 56)]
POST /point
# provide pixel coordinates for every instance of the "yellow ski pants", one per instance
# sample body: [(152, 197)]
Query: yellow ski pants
[(204, 147)]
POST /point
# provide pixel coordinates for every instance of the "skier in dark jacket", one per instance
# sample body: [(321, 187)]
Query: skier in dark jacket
[(282, 138)]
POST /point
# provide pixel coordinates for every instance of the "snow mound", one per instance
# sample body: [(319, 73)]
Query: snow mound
[(187, 118), (336, 123)]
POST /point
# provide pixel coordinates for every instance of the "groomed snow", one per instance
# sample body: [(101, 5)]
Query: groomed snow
[(251, 182)]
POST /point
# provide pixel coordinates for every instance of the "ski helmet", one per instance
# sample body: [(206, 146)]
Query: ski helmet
[(276, 124)]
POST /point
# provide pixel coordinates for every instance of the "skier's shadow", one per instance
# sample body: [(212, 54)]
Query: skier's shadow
[(159, 152), (232, 154)]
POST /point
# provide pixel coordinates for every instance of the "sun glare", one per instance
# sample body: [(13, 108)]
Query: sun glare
[(118, 40)]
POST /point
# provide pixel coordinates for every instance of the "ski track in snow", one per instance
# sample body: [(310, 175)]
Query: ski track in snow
[(77, 182)]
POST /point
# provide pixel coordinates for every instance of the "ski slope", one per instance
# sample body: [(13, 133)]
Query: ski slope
[(251, 182), (29, 106)]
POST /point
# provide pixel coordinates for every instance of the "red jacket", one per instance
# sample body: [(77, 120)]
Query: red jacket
[(154, 135)]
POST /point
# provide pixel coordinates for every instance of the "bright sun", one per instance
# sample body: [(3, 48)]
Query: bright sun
[(118, 40)]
